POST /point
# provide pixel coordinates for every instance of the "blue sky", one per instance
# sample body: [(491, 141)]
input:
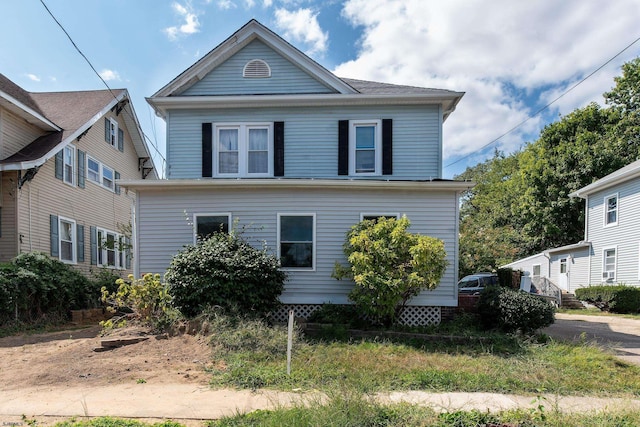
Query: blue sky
[(510, 57)]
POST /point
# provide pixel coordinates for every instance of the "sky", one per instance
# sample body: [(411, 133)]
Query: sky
[(510, 57)]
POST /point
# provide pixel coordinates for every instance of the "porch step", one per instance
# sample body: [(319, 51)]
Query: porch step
[(570, 301)]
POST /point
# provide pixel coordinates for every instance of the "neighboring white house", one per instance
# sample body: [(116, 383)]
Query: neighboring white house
[(260, 134), (610, 252)]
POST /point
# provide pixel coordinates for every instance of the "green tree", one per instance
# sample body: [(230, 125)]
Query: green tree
[(389, 266)]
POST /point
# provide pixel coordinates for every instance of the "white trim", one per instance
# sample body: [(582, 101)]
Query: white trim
[(243, 148), (314, 243), (533, 266), (378, 215), (615, 264), (606, 210), (74, 240), (197, 215), (119, 253), (101, 168), (74, 165), (19, 105), (353, 125)]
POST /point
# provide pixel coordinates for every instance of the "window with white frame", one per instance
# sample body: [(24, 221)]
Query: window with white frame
[(113, 132), (100, 174), (611, 210), (535, 271), (69, 162), (204, 225), (243, 149), (111, 249), (296, 241), (67, 239), (609, 263), (365, 147)]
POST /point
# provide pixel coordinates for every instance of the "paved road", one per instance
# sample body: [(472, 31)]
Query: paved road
[(620, 334)]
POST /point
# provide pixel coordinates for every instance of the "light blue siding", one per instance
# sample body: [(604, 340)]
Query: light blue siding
[(311, 138), (226, 79), (625, 236), (164, 227)]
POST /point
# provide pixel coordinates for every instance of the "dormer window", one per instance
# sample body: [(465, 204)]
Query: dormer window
[(256, 69)]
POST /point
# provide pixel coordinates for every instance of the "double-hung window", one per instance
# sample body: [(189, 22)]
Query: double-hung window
[(100, 173), (113, 132), (365, 147), (243, 150), (69, 162), (67, 239), (611, 210), (204, 225), (609, 264), (297, 240), (111, 250)]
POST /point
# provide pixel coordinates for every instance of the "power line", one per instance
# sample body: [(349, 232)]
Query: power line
[(546, 106), (100, 77)]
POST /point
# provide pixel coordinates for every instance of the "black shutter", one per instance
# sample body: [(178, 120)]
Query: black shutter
[(93, 240), (116, 176), (127, 256), (59, 164), (53, 231), (343, 147), (207, 150), (107, 130), (81, 168), (278, 149), (120, 140), (387, 147), (80, 241)]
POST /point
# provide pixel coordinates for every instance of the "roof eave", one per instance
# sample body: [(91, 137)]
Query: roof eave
[(22, 110), (606, 182)]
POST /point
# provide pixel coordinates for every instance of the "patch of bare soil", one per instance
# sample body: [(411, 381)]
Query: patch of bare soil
[(68, 358)]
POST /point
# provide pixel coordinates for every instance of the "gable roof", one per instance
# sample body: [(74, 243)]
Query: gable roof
[(347, 91), (68, 114), (626, 173)]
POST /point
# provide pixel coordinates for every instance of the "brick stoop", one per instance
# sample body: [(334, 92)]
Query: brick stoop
[(570, 301)]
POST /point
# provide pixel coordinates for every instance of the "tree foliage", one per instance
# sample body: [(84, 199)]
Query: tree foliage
[(521, 204), (389, 266)]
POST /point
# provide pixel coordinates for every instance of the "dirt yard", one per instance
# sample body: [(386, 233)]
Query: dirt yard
[(67, 358)]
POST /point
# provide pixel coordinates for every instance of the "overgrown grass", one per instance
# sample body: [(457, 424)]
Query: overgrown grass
[(42, 325), (107, 422), (249, 354), (597, 312)]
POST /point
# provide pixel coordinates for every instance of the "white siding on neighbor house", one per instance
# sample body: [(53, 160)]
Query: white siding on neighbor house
[(625, 236), (577, 268), (311, 138), (15, 133), (526, 265), (164, 226), (227, 78)]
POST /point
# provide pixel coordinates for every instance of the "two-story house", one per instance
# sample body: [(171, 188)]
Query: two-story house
[(261, 136), (610, 251), (60, 156)]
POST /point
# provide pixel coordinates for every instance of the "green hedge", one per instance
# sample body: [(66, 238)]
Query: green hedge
[(513, 310), (613, 298)]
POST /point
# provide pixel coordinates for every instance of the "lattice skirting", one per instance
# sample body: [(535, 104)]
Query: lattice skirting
[(412, 315)]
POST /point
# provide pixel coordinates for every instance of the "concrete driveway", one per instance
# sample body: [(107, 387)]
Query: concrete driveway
[(617, 333)]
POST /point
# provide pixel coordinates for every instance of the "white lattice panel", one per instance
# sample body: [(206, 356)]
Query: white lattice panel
[(299, 310), (411, 316)]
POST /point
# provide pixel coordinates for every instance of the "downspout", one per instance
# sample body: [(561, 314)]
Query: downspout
[(586, 236), (30, 227)]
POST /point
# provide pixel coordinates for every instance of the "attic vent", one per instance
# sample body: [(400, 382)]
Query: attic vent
[(256, 69)]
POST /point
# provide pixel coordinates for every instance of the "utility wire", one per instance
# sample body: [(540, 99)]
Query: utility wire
[(546, 106), (100, 77)]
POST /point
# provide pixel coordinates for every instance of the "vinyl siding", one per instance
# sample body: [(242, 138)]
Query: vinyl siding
[(227, 78), (93, 205), (8, 219), (165, 225), (577, 267), (311, 138), (625, 235), (15, 133), (527, 264)]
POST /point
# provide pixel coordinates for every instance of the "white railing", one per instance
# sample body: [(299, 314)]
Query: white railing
[(548, 289)]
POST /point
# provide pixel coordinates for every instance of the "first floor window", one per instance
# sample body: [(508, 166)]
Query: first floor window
[(207, 224), (110, 249), (536, 271), (609, 264), (296, 240), (67, 233)]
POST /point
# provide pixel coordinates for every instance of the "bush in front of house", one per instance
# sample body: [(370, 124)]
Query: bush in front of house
[(33, 286), (513, 310), (613, 298), (225, 270)]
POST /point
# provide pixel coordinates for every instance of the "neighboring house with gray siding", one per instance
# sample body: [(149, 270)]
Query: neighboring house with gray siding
[(261, 135), (60, 156)]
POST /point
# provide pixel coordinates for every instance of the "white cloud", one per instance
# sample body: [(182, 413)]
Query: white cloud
[(249, 3), (191, 24), (302, 26), (226, 4), (267, 3), (33, 77), (500, 53), (108, 75)]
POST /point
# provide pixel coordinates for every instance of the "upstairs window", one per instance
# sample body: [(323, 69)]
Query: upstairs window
[(365, 147), (112, 132), (100, 174), (256, 69), (611, 210), (243, 150), (68, 157)]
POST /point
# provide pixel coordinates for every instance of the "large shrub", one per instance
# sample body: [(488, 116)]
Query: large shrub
[(614, 298), (34, 285), (389, 266), (512, 310), (225, 270)]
